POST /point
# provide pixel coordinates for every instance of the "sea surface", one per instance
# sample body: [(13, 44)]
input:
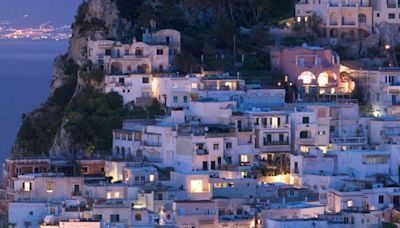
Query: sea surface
[(26, 69)]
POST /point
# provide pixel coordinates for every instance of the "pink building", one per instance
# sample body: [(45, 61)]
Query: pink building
[(310, 67)]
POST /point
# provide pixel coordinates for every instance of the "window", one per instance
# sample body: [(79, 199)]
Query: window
[(36, 170), (378, 15), (392, 16), (281, 138), (216, 146), (212, 165), (108, 195), (50, 187), (98, 217), (138, 217), (381, 199), (228, 145), (185, 99), (18, 170), (27, 186), (175, 99), (350, 203), (275, 122), (306, 120), (196, 186), (160, 52), (362, 18), (244, 159), (303, 134), (102, 170), (145, 80), (321, 132), (116, 195), (138, 52), (52, 211), (151, 177), (85, 169), (217, 185), (114, 218), (194, 85)]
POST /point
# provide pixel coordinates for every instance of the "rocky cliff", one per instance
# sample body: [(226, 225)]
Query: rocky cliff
[(77, 119)]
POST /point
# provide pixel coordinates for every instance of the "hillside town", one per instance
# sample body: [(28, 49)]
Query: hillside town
[(318, 147)]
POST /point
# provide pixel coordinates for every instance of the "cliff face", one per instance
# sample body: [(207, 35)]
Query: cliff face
[(77, 118), (43, 131)]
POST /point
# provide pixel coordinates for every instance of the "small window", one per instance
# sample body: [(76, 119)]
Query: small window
[(306, 120), (50, 187), (151, 177), (392, 16), (18, 170), (145, 80), (216, 146), (303, 134), (185, 99), (378, 15), (36, 170), (85, 169), (114, 218), (160, 52), (175, 99), (27, 186), (381, 199), (228, 145), (138, 217), (138, 52)]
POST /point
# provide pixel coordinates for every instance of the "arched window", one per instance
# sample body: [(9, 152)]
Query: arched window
[(117, 150), (307, 77), (303, 134), (362, 18), (138, 217)]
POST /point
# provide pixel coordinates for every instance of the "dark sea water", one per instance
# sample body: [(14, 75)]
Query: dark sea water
[(26, 69)]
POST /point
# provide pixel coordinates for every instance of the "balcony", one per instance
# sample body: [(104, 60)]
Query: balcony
[(276, 143), (201, 152), (151, 144), (350, 140), (306, 140)]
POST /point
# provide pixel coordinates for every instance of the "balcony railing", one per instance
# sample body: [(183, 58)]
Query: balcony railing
[(202, 152), (151, 144), (276, 143)]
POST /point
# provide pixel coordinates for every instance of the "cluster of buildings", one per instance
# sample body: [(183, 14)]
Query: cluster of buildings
[(349, 19), (227, 153)]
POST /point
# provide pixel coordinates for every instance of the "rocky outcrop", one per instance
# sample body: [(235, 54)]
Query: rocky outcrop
[(92, 12)]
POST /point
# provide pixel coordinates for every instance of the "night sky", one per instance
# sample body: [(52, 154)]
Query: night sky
[(29, 13)]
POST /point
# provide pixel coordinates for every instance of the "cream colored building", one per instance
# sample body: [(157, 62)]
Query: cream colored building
[(341, 19)]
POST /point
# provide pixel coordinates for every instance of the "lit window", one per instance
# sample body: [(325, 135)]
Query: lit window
[(307, 76), (244, 158), (50, 187), (116, 194), (27, 186), (225, 185), (274, 122), (218, 185), (298, 19), (304, 149), (194, 85), (350, 203), (196, 186), (216, 146), (108, 195), (151, 177)]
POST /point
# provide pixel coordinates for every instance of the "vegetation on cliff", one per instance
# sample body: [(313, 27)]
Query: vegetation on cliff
[(77, 112)]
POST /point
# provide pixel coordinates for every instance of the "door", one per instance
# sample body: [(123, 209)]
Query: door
[(205, 165)]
